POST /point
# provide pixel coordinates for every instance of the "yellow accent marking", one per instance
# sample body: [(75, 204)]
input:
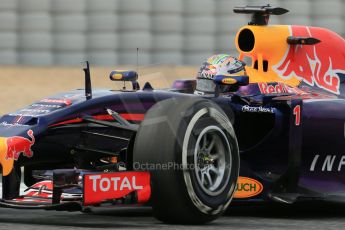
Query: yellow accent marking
[(270, 45), (117, 76), (247, 187), (7, 164), (229, 81)]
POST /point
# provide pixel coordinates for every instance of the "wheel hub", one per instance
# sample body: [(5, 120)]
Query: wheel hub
[(205, 159), (210, 160)]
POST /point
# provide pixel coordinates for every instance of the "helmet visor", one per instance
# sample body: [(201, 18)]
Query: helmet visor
[(205, 85)]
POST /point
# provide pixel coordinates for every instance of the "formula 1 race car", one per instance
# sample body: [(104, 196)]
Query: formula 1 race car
[(277, 134)]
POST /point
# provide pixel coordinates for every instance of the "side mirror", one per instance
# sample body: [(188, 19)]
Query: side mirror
[(231, 80), (124, 76)]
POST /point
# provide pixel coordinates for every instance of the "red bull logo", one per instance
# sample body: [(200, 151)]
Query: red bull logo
[(12, 147), (17, 145), (318, 64), (266, 88)]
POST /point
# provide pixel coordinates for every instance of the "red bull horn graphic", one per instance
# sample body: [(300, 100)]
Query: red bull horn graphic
[(317, 64), (12, 147)]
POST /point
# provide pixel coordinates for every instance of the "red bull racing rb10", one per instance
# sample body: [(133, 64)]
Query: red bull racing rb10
[(266, 127)]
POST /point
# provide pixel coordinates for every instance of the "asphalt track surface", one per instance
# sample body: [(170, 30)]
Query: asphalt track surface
[(321, 215), (303, 216)]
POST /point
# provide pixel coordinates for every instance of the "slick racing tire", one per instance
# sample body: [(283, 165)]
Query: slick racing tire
[(189, 146)]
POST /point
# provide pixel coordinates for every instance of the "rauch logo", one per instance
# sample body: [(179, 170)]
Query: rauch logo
[(247, 187)]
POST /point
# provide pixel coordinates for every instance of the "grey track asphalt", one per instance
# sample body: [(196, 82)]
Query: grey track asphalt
[(303, 216)]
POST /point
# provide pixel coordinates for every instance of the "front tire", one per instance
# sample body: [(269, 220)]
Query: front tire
[(189, 146)]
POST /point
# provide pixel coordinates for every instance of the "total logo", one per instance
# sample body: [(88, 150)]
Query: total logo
[(247, 187), (273, 88), (106, 184), (101, 187)]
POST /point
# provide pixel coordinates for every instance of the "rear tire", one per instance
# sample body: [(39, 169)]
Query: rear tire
[(192, 180)]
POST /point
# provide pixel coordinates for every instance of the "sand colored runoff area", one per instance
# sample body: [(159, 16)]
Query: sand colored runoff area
[(20, 86)]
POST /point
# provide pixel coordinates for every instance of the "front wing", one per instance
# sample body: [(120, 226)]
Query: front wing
[(73, 190)]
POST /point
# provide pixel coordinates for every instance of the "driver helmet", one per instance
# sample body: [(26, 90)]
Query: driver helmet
[(219, 64)]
